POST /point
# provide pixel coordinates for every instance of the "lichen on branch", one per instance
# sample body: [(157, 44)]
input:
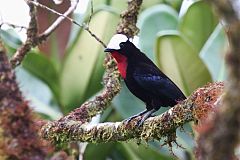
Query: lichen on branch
[(194, 108), (127, 24), (31, 41)]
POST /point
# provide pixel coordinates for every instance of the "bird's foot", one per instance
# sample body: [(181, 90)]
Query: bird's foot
[(130, 119), (146, 115), (134, 116)]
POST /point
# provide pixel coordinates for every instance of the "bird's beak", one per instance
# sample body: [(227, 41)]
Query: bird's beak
[(109, 50)]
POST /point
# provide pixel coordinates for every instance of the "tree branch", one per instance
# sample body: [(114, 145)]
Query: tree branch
[(57, 22), (127, 24), (32, 39), (194, 108), (46, 33), (221, 137)]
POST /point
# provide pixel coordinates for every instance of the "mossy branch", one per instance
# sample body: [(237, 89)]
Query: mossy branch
[(31, 41), (194, 108), (127, 24)]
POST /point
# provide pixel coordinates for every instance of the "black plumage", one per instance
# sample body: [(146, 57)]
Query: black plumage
[(144, 79)]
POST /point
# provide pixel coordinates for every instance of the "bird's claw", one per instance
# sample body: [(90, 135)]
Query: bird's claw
[(133, 117), (144, 115), (130, 118), (140, 122)]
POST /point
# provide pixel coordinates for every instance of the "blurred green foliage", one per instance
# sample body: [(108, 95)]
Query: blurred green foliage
[(189, 49), (82, 68)]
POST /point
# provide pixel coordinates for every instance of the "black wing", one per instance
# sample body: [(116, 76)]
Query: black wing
[(151, 79)]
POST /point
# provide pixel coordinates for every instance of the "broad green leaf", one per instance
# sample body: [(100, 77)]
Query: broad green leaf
[(143, 152), (213, 52), (75, 30), (99, 2), (176, 4), (184, 7), (119, 5), (126, 151), (151, 21), (180, 61), (197, 24), (148, 4), (186, 139), (83, 66), (110, 115), (105, 151), (37, 93), (127, 104), (52, 112), (11, 40), (41, 67), (182, 138)]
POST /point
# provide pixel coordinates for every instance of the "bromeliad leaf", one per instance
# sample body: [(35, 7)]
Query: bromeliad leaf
[(83, 66), (197, 24), (180, 61), (153, 20), (213, 52), (43, 68)]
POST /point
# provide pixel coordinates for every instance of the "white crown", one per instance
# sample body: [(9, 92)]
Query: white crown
[(116, 40)]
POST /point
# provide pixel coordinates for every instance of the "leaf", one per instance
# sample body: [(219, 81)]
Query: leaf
[(185, 138), (37, 93), (180, 61), (127, 151), (197, 24), (119, 5), (176, 4), (151, 21), (127, 104), (83, 66), (213, 52), (75, 30), (104, 151), (148, 4), (184, 7), (97, 3), (142, 152), (41, 67), (11, 38)]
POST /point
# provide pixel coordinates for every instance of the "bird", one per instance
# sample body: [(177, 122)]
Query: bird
[(143, 78)]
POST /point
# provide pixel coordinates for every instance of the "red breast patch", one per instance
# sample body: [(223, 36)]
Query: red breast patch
[(121, 63)]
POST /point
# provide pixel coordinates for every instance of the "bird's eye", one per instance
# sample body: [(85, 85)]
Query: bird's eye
[(121, 44)]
